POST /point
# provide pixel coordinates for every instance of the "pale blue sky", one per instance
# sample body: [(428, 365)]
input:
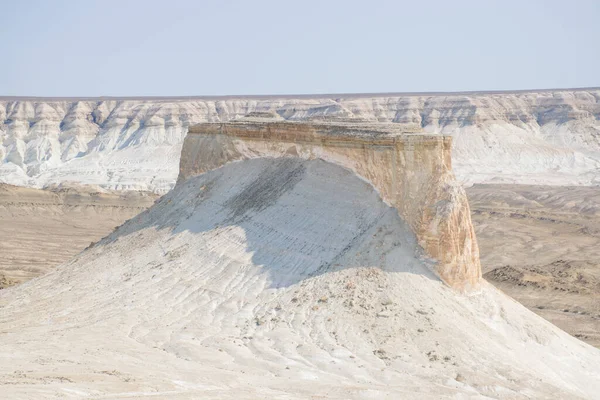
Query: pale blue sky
[(227, 47)]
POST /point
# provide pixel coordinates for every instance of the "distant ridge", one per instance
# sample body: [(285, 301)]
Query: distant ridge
[(291, 96), (530, 137)]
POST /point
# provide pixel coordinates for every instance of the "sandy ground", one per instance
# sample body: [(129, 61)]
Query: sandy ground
[(40, 229), (541, 245), (279, 279)]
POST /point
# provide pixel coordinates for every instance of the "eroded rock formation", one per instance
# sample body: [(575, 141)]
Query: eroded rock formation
[(531, 137), (412, 172)]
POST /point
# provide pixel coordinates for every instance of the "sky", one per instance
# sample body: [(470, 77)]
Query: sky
[(227, 47)]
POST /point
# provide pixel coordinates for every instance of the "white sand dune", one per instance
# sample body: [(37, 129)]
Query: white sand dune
[(280, 279)]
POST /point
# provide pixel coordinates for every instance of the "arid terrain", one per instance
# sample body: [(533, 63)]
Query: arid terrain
[(538, 244), (351, 268), (281, 279), (526, 137), (41, 229), (541, 245)]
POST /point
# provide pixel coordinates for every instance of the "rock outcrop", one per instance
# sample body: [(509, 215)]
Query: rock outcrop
[(411, 171), (534, 137), (277, 278)]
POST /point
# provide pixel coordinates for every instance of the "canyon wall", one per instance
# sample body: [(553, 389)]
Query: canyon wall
[(411, 171), (537, 137)]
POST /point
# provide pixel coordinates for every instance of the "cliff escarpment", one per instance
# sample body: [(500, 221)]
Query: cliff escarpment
[(411, 171), (533, 137)]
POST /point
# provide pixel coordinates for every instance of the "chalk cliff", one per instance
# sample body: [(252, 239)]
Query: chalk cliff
[(411, 171), (533, 137)]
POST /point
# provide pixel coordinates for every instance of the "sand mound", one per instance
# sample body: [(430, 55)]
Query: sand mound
[(274, 278)]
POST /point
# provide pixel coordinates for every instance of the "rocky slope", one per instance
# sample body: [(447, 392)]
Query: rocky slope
[(411, 171), (310, 287), (537, 137), (543, 137)]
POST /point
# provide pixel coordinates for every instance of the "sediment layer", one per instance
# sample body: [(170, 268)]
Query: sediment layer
[(411, 171)]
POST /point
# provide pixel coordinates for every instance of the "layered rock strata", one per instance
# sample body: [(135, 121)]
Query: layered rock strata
[(529, 137), (411, 171)]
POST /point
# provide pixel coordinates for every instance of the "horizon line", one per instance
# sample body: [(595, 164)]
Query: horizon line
[(292, 96)]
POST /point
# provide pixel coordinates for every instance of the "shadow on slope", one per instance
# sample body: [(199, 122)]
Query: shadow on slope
[(296, 218)]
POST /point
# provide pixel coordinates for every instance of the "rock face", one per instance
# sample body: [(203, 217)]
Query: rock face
[(537, 137), (411, 171)]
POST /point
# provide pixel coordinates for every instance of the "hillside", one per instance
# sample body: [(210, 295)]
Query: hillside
[(310, 286), (529, 137)]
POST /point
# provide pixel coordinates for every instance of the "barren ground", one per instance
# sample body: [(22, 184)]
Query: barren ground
[(40, 229), (541, 246)]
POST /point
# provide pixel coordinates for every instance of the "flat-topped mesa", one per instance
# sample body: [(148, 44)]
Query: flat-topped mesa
[(412, 172)]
